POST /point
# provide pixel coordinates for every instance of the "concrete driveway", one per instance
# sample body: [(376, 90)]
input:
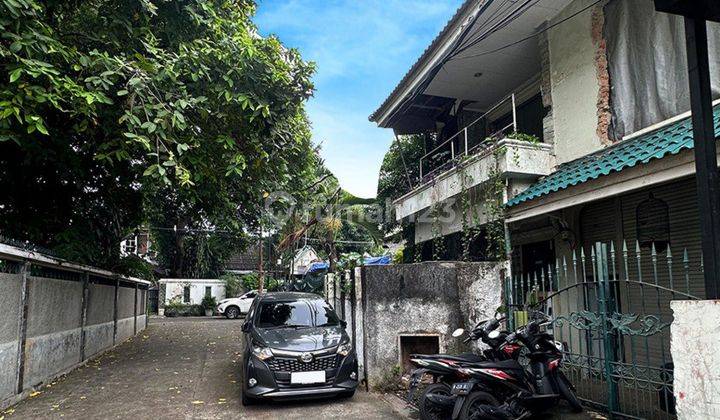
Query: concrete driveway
[(177, 368)]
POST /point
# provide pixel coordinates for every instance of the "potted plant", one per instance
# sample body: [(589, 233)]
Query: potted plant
[(208, 303)]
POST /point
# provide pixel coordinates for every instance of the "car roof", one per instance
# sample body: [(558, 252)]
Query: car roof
[(285, 296)]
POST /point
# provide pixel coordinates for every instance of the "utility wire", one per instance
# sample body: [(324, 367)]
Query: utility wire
[(529, 36), (504, 22)]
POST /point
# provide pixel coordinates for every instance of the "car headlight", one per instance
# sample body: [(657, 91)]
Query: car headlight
[(344, 349), (262, 353)]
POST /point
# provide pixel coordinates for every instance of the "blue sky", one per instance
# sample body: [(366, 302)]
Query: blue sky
[(362, 49)]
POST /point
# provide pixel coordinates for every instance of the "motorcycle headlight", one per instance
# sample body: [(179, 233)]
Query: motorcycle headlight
[(262, 353), (344, 349)]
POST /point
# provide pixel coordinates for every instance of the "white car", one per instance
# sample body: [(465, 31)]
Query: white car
[(234, 307)]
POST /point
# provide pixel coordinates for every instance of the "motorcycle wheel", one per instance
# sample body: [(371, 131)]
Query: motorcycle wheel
[(565, 391), (430, 411), (470, 409)]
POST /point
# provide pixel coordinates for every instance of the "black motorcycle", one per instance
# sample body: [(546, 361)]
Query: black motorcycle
[(521, 392), (437, 400)]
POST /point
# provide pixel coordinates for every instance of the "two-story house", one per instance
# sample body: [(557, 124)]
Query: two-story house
[(573, 114)]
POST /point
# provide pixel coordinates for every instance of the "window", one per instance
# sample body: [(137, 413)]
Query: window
[(296, 314), (653, 223), (208, 291), (186, 294), (131, 245)]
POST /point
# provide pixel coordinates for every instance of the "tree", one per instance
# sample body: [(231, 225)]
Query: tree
[(115, 112), (330, 214), (400, 173)]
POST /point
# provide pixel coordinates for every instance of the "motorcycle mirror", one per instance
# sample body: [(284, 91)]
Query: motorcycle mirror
[(494, 334), (458, 332)]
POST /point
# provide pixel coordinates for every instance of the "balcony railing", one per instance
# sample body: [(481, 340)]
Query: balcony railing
[(447, 154)]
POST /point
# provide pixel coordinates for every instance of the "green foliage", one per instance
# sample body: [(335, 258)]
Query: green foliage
[(233, 284), (332, 215), (208, 302), (530, 138), (175, 309), (396, 177), (118, 112), (136, 267), (348, 261), (251, 281), (398, 257)]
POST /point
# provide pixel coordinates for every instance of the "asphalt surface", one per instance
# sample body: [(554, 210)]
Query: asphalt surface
[(177, 368)]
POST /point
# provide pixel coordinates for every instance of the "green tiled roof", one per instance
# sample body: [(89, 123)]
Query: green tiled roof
[(657, 144)]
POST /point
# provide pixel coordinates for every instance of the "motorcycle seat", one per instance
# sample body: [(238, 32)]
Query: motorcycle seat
[(502, 364), (464, 357)]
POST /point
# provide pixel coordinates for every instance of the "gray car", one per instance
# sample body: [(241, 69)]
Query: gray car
[(296, 347)]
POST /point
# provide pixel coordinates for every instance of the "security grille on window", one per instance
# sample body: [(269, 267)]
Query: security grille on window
[(653, 223), (186, 294)]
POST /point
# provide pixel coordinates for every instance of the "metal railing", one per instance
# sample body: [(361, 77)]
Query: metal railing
[(439, 154)]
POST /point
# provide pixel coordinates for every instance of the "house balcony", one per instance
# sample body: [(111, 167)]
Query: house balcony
[(514, 160)]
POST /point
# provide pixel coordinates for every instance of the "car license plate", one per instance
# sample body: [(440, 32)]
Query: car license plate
[(461, 388), (307, 377)]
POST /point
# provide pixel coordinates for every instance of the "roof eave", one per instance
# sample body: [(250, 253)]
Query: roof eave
[(434, 52)]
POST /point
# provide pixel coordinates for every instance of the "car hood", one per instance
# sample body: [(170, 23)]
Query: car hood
[(300, 339)]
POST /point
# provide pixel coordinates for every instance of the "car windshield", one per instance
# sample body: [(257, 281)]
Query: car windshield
[(296, 314)]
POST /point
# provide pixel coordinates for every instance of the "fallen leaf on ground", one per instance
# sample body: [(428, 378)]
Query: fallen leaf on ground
[(35, 393)]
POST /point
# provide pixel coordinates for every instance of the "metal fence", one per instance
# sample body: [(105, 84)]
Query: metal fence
[(610, 307), (445, 155)]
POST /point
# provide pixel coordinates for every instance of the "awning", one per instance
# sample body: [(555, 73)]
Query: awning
[(668, 140)]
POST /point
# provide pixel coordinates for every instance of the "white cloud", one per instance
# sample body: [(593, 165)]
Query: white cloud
[(362, 49)]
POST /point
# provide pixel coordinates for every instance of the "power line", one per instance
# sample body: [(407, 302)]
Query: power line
[(505, 21), (528, 37)]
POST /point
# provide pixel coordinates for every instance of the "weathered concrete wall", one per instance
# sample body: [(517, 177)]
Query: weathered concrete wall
[(695, 332), (423, 298), (574, 83), (10, 295), (126, 314), (99, 324), (53, 328)]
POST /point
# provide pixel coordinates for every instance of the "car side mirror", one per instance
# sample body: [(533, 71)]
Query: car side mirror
[(343, 323), (246, 327)]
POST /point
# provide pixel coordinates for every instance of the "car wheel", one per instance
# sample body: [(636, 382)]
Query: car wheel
[(246, 400), (232, 312)]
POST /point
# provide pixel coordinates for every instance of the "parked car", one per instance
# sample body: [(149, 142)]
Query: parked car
[(234, 307), (296, 347)]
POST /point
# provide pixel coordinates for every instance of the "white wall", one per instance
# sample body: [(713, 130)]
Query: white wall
[(574, 83), (174, 288), (694, 333)]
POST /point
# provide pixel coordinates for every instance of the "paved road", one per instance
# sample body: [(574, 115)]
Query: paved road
[(177, 368)]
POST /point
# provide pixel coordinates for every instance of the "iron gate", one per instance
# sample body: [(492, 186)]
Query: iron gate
[(612, 313)]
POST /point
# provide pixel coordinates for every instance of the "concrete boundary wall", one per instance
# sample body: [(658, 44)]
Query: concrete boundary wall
[(423, 299), (57, 315)]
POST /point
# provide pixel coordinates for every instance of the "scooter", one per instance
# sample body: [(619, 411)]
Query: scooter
[(437, 400), (523, 393)]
